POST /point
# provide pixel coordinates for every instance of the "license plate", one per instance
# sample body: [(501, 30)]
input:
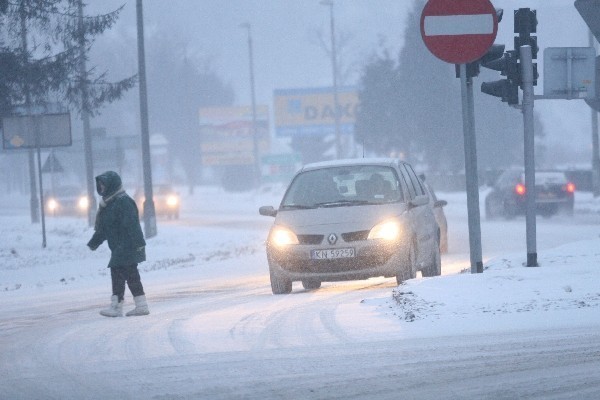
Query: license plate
[(330, 254)]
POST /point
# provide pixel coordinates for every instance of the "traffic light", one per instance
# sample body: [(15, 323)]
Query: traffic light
[(473, 67), (507, 64), (525, 24)]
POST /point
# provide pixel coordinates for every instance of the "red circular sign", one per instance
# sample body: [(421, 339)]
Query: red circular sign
[(459, 31)]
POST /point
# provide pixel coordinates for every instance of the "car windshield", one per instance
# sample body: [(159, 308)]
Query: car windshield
[(163, 189), (549, 178), (343, 186), (67, 191)]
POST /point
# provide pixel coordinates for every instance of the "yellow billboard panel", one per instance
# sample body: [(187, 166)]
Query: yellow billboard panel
[(227, 134), (312, 111)]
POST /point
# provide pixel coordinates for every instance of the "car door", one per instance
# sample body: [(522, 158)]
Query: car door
[(422, 218)]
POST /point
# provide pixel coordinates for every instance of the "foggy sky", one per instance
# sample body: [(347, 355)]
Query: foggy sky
[(287, 55)]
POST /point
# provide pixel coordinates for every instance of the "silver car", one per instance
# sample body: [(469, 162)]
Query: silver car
[(352, 219)]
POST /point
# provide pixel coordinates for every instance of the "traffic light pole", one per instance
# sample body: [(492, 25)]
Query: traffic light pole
[(528, 130), (466, 84)]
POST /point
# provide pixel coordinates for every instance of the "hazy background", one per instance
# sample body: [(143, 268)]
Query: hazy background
[(287, 53), (198, 50)]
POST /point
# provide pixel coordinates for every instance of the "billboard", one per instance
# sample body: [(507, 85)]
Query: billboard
[(227, 134), (21, 131), (311, 111)]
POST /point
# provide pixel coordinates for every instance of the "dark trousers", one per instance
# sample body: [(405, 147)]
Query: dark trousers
[(129, 274)]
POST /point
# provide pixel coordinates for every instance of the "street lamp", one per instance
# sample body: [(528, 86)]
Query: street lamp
[(336, 114), (149, 210), (246, 25)]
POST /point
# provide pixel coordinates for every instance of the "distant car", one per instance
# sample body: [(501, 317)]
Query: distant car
[(440, 216), (167, 201), (66, 200), (553, 194), (352, 219)]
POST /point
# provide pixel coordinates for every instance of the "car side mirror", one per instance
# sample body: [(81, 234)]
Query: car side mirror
[(419, 201), (267, 211), (440, 203)]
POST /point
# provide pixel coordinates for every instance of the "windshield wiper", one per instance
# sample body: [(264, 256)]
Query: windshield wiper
[(339, 203), (298, 207)]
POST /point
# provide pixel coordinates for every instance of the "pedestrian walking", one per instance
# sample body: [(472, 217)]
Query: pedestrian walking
[(117, 222)]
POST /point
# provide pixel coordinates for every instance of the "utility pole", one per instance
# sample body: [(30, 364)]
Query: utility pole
[(472, 182), (149, 211), (85, 117), (595, 141), (529, 149), (33, 199), (256, 151), (336, 114)]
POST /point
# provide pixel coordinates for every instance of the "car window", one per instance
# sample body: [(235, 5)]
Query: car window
[(549, 178), (163, 189), (414, 183), (509, 178), (347, 185), (411, 188)]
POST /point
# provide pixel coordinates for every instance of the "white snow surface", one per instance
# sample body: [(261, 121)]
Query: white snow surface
[(215, 330)]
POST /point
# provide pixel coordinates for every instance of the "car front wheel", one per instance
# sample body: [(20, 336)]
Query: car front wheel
[(280, 284), (407, 269), (435, 269), (311, 284)]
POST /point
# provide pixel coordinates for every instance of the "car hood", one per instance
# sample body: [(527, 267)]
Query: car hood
[(347, 217)]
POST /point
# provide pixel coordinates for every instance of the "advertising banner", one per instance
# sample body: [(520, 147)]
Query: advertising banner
[(227, 134), (24, 131), (311, 111)]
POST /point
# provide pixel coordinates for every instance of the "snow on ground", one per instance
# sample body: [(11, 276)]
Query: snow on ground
[(562, 291), (216, 332)]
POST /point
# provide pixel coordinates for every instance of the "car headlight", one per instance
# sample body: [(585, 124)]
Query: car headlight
[(52, 204), (172, 201), (281, 236), (386, 230), (83, 203)]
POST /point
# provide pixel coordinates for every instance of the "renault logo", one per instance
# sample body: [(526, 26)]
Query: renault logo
[(332, 238)]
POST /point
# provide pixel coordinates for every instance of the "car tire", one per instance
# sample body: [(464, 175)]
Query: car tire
[(492, 209), (280, 284), (407, 269), (509, 210), (311, 284), (435, 269), (488, 210)]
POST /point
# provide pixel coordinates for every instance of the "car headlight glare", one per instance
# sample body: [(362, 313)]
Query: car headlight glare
[(83, 203), (386, 230), (283, 237), (172, 201), (52, 204)]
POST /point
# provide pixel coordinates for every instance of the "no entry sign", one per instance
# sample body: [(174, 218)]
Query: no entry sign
[(459, 31)]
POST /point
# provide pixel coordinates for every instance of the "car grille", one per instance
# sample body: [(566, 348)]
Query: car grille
[(355, 236), (310, 239)]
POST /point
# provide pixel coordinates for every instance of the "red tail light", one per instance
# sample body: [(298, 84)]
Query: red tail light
[(520, 189), (570, 187)]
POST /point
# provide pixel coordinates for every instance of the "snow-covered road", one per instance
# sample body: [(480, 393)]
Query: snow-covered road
[(216, 332)]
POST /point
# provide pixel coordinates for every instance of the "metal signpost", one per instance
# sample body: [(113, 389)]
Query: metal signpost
[(37, 131), (459, 32)]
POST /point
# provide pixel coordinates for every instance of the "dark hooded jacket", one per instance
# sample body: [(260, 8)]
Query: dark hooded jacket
[(117, 222)]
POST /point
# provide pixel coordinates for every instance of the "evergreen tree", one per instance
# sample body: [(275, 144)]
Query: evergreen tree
[(414, 108), (184, 87), (52, 67)]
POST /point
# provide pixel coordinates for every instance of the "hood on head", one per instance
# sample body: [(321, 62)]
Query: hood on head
[(111, 180)]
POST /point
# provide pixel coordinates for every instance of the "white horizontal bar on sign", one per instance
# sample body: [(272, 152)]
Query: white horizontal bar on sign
[(450, 25)]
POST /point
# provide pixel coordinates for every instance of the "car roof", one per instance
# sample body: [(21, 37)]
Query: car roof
[(387, 161)]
